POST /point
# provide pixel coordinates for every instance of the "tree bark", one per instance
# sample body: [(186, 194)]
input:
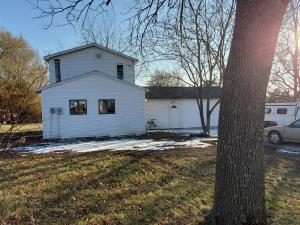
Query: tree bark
[(239, 187), (296, 59)]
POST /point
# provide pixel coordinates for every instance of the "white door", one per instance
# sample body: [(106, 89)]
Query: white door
[(174, 116)]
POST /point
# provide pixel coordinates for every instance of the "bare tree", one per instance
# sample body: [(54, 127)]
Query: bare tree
[(239, 189), (277, 94), (106, 33), (285, 74), (161, 78), (74, 11), (199, 48)]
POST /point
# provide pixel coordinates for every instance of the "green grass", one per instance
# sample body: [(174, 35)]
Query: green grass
[(170, 187)]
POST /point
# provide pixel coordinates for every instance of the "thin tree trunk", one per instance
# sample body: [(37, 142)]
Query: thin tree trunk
[(208, 115), (201, 115), (200, 108), (239, 187), (208, 112), (295, 60)]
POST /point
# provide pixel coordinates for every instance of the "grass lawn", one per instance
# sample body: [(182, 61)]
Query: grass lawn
[(23, 128), (162, 187)]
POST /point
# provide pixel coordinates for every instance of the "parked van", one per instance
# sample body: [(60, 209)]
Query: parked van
[(281, 114)]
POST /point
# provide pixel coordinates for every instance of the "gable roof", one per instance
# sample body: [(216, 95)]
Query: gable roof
[(48, 57), (94, 72), (181, 92)]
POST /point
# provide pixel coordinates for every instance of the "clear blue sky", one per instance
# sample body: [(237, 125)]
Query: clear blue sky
[(17, 16)]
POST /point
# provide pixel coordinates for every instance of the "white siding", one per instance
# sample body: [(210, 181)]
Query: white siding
[(189, 114), (84, 61), (282, 119), (129, 117)]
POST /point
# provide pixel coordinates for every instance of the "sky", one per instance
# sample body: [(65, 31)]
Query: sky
[(20, 18)]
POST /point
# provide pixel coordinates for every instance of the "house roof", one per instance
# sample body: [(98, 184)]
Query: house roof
[(48, 57), (180, 92), (94, 72)]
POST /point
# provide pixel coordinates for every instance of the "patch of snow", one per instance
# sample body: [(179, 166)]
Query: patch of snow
[(213, 132), (289, 150), (113, 145)]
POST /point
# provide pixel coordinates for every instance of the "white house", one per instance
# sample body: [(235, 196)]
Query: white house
[(281, 114), (91, 92), (176, 107)]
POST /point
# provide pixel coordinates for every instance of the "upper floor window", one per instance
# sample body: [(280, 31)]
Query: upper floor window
[(282, 111), (57, 70), (78, 107), (120, 72)]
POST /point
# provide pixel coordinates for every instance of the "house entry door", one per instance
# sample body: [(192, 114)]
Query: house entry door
[(174, 116)]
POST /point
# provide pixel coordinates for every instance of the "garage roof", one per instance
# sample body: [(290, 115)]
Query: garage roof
[(180, 92)]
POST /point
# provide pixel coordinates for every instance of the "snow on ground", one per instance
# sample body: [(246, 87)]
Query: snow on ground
[(113, 145), (213, 132), (295, 150)]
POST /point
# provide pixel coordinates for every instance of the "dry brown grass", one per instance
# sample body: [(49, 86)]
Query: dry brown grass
[(154, 187), (31, 127)]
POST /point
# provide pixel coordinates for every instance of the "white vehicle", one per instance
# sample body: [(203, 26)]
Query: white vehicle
[(281, 114), (279, 134)]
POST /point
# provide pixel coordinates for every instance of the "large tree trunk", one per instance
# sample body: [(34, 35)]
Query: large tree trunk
[(239, 190)]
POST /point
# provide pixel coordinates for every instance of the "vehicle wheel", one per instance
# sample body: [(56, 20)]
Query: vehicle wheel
[(275, 137)]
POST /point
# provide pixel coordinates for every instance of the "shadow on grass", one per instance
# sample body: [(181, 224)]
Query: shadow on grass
[(141, 188), (170, 187), (283, 185)]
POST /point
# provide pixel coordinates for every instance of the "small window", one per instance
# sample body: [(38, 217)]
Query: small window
[(268, 110), (296, 124), (78, 107), (282, 111), (57, 70), (107, 106), (120, 72)]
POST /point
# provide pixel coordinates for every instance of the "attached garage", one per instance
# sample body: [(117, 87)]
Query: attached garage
[(176, 107)]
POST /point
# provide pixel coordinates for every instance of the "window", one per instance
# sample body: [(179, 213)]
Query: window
[(107, 106), (120, 72), (296, 124), (282, 111), (268, 110), (78, 107), (57, 70)]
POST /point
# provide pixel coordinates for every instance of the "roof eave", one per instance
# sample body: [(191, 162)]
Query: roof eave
[(50, 56), (94, 72)]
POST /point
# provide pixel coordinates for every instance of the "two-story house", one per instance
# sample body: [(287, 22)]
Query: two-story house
[(91, 92)]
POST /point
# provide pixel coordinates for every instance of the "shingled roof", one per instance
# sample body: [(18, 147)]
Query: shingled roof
[(180, 92)]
